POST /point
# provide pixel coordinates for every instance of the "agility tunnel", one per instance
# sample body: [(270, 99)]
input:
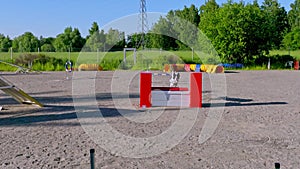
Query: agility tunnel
[(232, 65), (89, 67), (170, 96)]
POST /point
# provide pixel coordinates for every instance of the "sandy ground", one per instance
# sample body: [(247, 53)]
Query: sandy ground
[(260, 125)]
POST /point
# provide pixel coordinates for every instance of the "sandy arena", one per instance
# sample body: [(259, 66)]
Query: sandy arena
[(260, 125)]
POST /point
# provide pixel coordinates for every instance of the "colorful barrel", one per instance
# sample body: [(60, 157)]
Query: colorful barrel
[(187, 67), (180, 68), (220, 69), (193, 67), (203, 68), (198, 68), (167, 68)]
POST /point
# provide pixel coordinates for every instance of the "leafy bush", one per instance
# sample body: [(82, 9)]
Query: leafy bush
[(24, 59), (277, 61), (41, 62), (48, 48), (110, 64)]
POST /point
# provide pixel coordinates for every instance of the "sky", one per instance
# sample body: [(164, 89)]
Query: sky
[(49, 18)]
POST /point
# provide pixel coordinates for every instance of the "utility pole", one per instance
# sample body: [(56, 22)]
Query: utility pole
[(143, 23)]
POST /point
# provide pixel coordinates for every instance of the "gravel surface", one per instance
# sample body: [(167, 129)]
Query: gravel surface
[(260, 124)]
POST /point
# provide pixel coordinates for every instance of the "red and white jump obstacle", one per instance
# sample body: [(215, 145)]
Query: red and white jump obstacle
[(170, 96)]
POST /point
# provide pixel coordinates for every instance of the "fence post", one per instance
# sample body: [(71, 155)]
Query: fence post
[(11, 53)]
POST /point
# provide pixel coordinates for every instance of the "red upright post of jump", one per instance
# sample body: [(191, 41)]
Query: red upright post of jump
[(196, 89), (145, 89)]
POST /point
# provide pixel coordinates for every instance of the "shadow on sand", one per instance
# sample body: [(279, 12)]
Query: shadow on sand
[(59, 109), (237, 102)]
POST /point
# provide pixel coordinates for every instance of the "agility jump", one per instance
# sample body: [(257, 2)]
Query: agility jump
[(170, 96)]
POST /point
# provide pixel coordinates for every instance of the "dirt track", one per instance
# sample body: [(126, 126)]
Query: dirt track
[(260, 125)]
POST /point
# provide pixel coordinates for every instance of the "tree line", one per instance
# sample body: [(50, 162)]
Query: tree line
[(69, 40), (238, 31)]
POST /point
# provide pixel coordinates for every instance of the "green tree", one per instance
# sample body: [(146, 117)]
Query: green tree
[(178, 30), (294, 15), (77, 41), (47, 48), (133, 40), (186, 24), (48, 40), (292, 40), (276, 23), (190, 14), (229, 40), (235, 31), (47, 44), (62, 42), (94, 28), (255, 35), (5, 43), (163, 34), (70, 39), (208, 8), (115, 40), (208, 21), (96, 39), (26, 43), (208, 15)]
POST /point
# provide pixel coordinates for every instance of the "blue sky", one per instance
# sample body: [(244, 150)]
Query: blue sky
[(51, 17)]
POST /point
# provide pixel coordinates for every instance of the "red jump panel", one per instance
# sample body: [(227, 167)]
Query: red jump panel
[(145, 89), (196, 90)]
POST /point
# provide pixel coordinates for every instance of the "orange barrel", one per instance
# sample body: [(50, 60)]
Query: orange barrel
[(296, 65), (167, 68)]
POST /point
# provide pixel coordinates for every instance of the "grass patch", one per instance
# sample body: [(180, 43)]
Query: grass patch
[(5, 67), (145, 60)]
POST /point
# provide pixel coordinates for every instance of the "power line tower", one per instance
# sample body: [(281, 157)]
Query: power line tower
[(143, 23)]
